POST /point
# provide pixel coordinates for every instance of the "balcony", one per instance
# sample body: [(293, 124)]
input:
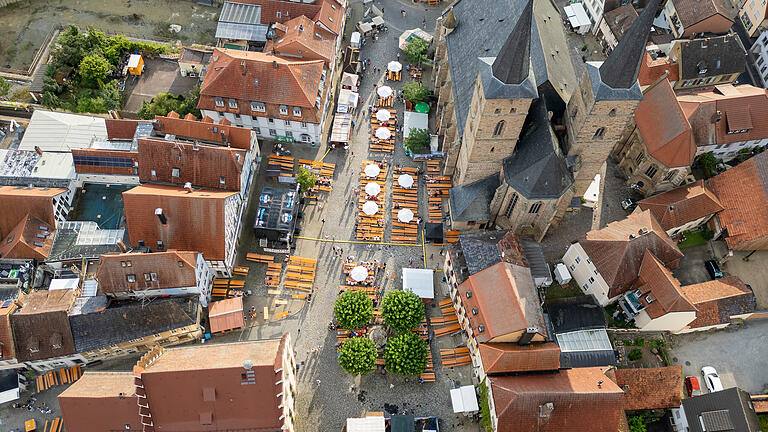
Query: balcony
[(630, 304)]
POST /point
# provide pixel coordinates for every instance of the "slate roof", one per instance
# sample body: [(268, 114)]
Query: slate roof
[(583, 399), (575, 313), (482, 28), (618, 249), (716, 55), (582, 359), (510, 357), (681, 205), (734, 401), (718, 300), (127, 320), (537, 169), (650, 388), (619, 70), (480, 250), (512, 63), (472, 202)]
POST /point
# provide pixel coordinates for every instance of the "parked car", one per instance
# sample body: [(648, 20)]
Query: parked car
[(628, 204), (711, 379), (692, 386), (713, 269)]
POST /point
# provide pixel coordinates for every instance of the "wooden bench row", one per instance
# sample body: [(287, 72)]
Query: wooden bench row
[(259, 258)]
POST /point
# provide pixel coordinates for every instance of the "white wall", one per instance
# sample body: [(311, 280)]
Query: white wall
[(264, 126), (679, 419), (688, 226), (730, 150), (204, 275), (673, 321), (109, 179), (760, 50), (594, 9), (586, 274), (233, 212)]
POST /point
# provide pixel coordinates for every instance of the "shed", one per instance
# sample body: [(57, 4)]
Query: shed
[(402, 423), (226, 314), (341, 129), (578, 18), (414, 120), (354, 40), (434, 232), (464, 399), (135, 64), (366, 424), (562, 275), (420, 282)]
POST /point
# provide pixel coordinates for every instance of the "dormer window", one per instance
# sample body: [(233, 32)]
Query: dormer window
[(233, 103), (296, 112), (469, 294), (258, 107), (219, 102), (131, 278), (283, 110)]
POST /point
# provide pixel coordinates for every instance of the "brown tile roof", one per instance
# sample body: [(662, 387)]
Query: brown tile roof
[(287, 9), (742, 192), (506, 301), (298, 39), (25, 240), (651, 388), (171, 269), (236, 137), (582, 399), (194, 163), (102, 384), (619, 20), (7, 349), (691, 12), (618, 256), (226, 314), (41, 327), (682, 205), (100, 401), (331, 15), (511, 357), (280, 81), (195, 219), (665, 129), (718, 300), (656, 281), (121, 128), (651, 70), (18, 201)]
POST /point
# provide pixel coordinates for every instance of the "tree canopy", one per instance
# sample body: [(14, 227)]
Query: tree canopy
[(306, 179), (402, 310), (417, 141), (357, 356), (353, 309), (93, 69), (415, 92), (5, 86), (164, 103), (416, 50), (405, 354)]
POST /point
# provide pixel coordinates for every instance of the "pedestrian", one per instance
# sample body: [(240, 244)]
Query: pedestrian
[(323, 220), (318, 383), (298, 331)]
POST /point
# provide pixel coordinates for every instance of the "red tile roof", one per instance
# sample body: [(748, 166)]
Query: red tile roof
[(233, 74), (121, 129), (100, 401), (572, 400), (331, 15), (506, 301), (682, 205), (650, 388), (193, 162), (742, 192), (203, 130), (651, 70), (328, 12), (195, 219), (226, 314), (18, 201), (665, 129), (718, 300), (618, 249), (511, 357), (28, 240), (658, 283), (298, 39), (150, 271)]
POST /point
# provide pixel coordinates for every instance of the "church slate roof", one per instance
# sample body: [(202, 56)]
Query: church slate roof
[(512, 63), (472, 202)]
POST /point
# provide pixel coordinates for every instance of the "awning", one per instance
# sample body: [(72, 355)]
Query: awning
[(366, 424), (434, 232), (349, 80), (577, 16), (347, 101), (464, 399), (342, 128), (414, 120), (419, 282)]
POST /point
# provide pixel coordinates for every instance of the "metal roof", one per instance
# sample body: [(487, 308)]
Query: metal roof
[(249, 32), (240, 13), (57, 131), (584, 340)]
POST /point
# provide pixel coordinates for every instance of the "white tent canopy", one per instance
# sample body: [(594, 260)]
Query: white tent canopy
[(394, 66), (347, 101), (408, 35), (383, 115), (370, 208), (383, 133), (405, 180), (366, 424), (384, 91), (414, 120), (578, 18), (372, 188), (372, 170), (464, 399), (358, 273), (593, 192), (420, 282), (405, 215)]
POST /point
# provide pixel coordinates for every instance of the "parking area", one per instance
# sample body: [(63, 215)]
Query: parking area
[(739, 353), (691, 269), (753, 272), (160, 76)]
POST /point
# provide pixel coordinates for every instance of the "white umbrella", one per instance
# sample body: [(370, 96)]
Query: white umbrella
[(394, 66), (383, 115), (384, 91), (405, 215), (383, 133), (358, 274), (405, 180), (370, 208), (372, 189), (372, 170)]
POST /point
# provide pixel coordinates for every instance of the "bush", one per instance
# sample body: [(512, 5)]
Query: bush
[(416, 50), (417, 141), (5, 86), (353, 309), (707, 234), (93, 70), (406, 354), (357, 356), (639, 342), (485, 409), (164, 103), (708, 161), (636, 424), (415, 92), (635, 354), (402, 310), (306, 179)]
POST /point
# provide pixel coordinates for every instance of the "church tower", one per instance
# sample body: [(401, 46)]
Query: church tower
[(603, 109)]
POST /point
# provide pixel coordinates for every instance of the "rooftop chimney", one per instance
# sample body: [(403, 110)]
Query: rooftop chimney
[(161, 216), (39, 150), (122, 247), (274, 64), (187, 187), (526, 338)]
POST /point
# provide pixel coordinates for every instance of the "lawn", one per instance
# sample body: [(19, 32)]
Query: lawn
[(763, 421), (692, 238), (556, 291)]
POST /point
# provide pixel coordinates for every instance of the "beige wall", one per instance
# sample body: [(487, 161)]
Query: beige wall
[(521, 220), (755, 15), (583, 270), (627, 155), (672, 321)]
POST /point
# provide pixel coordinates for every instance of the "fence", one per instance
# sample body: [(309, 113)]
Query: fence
[(43, 50)]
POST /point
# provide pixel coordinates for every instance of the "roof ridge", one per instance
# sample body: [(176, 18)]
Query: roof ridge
[(512, 64)]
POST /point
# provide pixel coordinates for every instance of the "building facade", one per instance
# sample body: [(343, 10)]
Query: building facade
[(760, 51)]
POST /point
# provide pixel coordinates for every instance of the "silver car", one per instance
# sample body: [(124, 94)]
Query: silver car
[(711, 379)]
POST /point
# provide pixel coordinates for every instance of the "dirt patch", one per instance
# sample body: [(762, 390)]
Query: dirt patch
[(24, 25)]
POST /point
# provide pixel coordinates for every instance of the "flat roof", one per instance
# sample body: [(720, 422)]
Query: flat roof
[(216, 356), (419, 282), (57, 131), (102, 384), (28, 163), (584, 340)]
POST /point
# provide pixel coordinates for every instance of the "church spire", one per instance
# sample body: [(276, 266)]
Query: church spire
[(512, 64), (621, 67)]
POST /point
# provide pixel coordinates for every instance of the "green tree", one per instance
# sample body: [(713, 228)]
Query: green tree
[(94, 69), (353, 309), (306, 179), (636, 424), (164, 103), (92, 105), (708, 161), (5, 86), (635, 354), (416, 50), (406, 354), (357, 356), (402, 310), (415, 92), (417, 140), (71, 47)]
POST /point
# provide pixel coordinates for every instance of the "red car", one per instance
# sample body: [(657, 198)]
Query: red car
[(692, 386)]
